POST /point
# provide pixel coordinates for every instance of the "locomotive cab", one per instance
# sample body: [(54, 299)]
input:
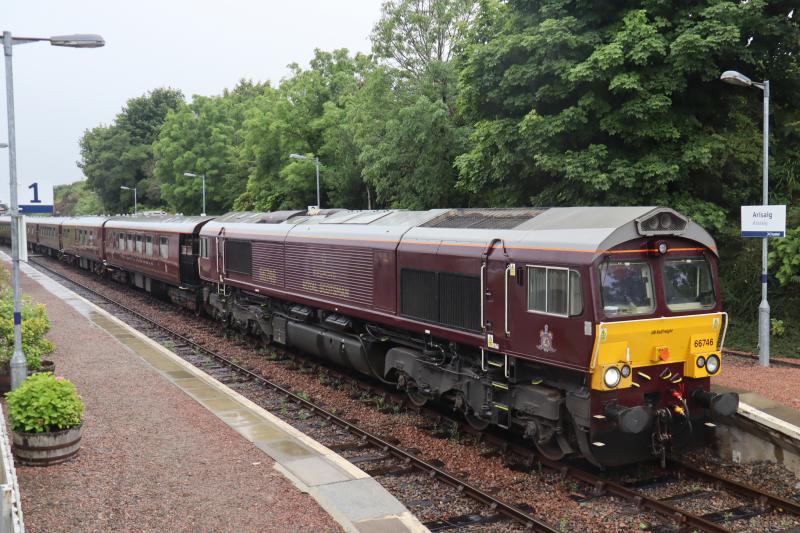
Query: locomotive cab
[(658, 341)]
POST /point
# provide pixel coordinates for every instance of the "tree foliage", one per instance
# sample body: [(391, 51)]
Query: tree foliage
[(121, 154), (76, 199), (587, 102)]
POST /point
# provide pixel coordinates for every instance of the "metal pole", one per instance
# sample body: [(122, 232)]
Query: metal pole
[(19, 364), (204, 196), (316, 160), (763, 308), (135, 202)]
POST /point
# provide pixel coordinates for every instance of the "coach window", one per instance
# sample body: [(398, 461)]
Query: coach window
[(204, 248), (554, 291), (138, 244), (130, 242), (148, 245), (121, 239), (163, 247)]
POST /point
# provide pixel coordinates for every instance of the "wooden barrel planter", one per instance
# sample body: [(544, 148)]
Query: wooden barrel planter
[(44, 449)]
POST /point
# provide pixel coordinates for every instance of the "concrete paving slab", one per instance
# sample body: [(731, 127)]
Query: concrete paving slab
[(392, 524), (360, 499), (221, 404), (263, 431), (315, 471), (284, 449), (239, 417)]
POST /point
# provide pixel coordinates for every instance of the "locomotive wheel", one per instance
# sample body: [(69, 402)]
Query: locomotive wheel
[(415, 397), (474, 422), (550, 449)]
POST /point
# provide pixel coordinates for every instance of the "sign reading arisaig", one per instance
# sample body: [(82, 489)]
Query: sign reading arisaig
[(763, 221)]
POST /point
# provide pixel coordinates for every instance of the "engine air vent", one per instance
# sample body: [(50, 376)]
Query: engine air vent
[(661, 222)]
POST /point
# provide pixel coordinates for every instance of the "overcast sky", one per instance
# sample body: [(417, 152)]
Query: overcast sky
[(197, 46)]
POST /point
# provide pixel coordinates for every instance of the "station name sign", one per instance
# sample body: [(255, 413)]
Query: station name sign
[(763, 221)]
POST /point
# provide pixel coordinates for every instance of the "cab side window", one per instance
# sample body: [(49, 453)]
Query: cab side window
[(554, 291)]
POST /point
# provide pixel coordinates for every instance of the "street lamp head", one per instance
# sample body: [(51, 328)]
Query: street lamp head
[(3, 145), (297, 156), (124, 188), (189, 175), (736, 78), (80, 40)]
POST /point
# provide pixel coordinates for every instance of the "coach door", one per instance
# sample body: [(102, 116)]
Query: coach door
[(189, 248)]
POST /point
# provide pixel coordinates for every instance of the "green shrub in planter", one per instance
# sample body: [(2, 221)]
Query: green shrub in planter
[(44, 403), (34, 326)]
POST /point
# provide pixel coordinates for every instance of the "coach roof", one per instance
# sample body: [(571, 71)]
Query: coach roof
[(168, 223)]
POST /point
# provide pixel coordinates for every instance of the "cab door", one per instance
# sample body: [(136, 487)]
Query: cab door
[(495, 315)]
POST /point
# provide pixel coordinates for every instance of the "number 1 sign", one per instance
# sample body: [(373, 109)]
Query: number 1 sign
[(36, 201)]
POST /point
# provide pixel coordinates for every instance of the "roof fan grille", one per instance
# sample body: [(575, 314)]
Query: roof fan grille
[(483, 218)]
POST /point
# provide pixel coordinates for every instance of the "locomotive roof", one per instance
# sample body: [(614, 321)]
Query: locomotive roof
[(172, 223), (582, 229)]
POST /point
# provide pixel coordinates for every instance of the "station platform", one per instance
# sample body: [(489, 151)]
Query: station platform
[(166, 447)]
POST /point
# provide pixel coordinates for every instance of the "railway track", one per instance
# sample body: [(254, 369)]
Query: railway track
[(382, 457)]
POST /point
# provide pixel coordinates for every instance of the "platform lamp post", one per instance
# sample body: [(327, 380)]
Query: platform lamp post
[(737, 78), (135, 202), (19, 365), (203, 175), (316, 162)]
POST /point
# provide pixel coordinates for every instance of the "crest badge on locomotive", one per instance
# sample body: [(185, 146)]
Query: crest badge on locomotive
[(546, 340)]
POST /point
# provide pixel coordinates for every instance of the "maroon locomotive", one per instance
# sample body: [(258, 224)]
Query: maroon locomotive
[(591, 331)]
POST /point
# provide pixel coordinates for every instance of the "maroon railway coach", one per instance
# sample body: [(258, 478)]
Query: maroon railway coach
[(156, 253), (592, 330), (46, 233), (82, 241)]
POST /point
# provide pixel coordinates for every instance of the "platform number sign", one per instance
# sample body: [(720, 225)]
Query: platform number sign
[(37, 199)]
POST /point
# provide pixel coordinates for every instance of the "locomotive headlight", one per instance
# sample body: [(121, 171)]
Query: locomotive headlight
[(701, 362), (662, 248), (626, 371), (712, 364), (611, 377)]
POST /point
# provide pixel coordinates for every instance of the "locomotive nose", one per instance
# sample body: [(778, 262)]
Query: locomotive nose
[(629, 419), (724, 404)]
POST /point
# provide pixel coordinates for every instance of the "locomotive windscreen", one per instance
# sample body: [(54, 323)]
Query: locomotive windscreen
[(239, 256), (441, 297)]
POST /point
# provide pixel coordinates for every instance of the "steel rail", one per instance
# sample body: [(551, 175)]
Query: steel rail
[(465, 488), (762, 498)]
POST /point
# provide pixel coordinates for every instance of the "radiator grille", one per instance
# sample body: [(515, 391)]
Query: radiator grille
[(441, 297), (238, 256)]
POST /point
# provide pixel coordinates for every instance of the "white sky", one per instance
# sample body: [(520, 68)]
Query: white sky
[(197, 46)]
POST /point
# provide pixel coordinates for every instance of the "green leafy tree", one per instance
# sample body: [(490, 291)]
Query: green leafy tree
[(588, 103), (75, 200), (122, 154), (204, 137), (291, 119)]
